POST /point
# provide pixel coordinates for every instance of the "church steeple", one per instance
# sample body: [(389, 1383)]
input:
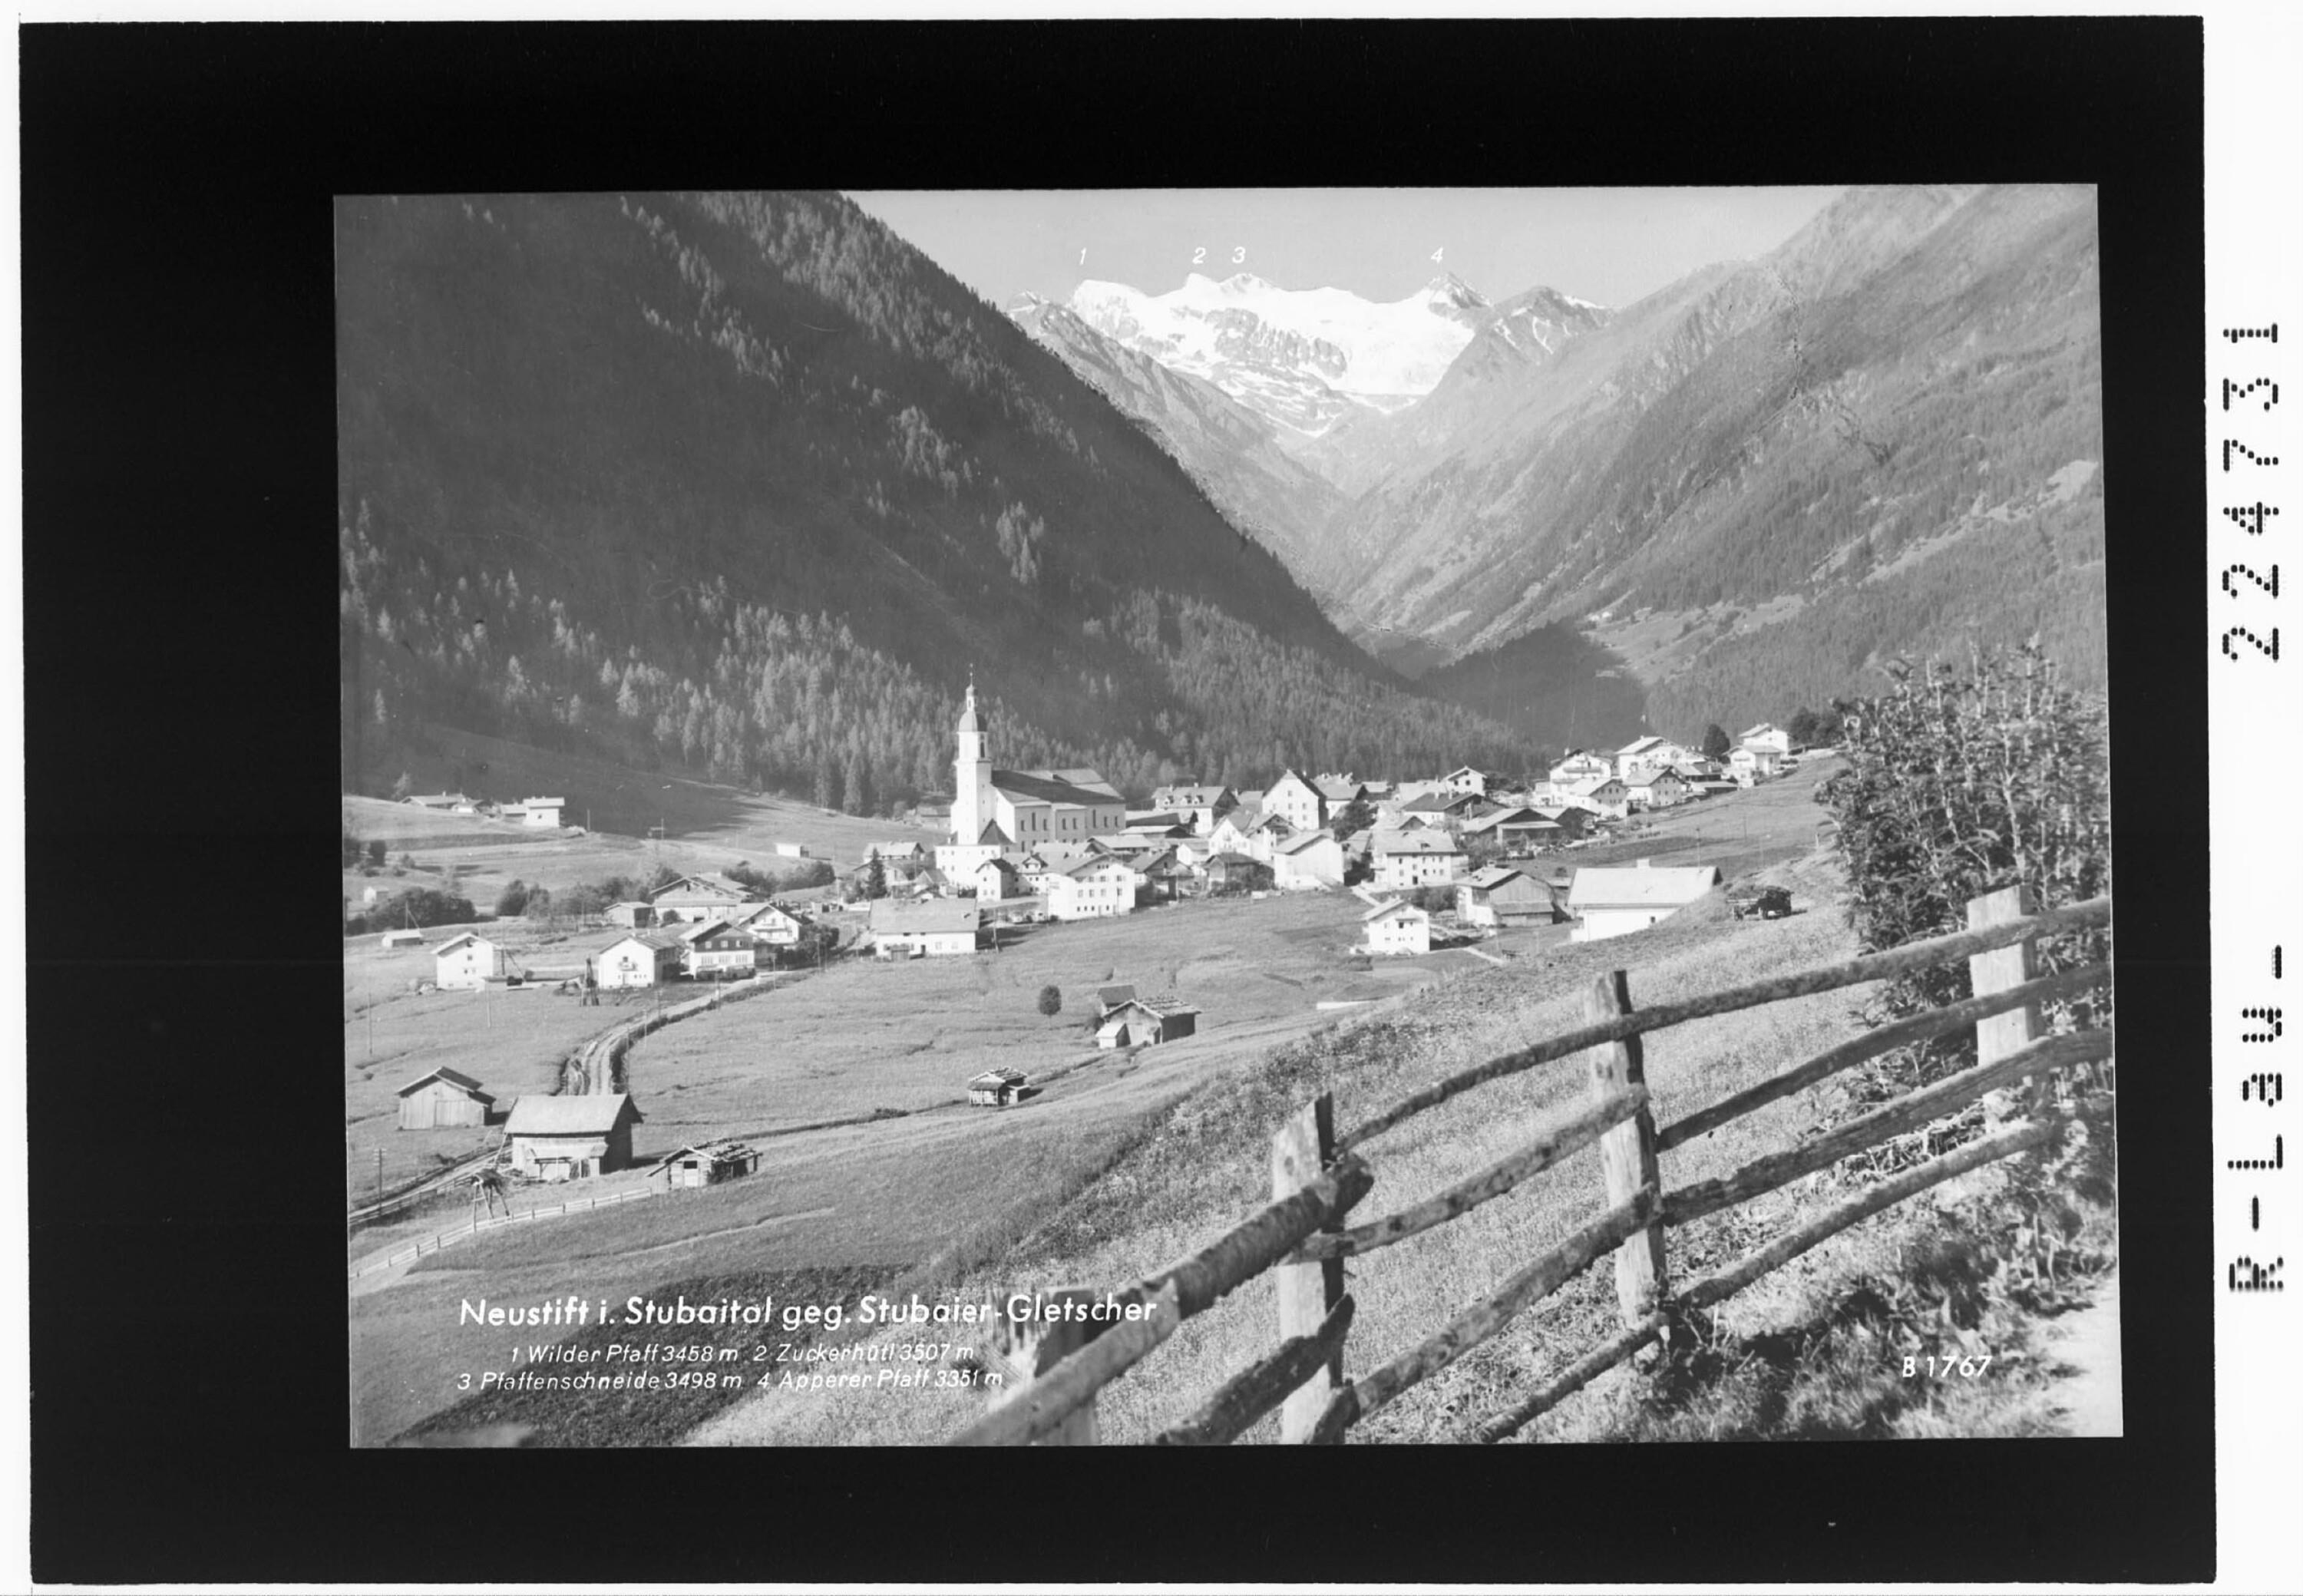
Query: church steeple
[(972, 800)]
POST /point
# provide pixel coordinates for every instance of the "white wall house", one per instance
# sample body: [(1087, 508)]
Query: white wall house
[(1297, 802), (1615, 902), (929, 928), (542, 811), (1769, 736), (1314, 859), (1096, 889), (1405, 861), (466, 963), (644, 959), (1396, 927)]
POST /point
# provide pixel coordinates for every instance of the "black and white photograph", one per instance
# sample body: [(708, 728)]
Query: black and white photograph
[(1199, 816)]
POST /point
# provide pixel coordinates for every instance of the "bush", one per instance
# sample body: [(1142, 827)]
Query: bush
[(1959, 783), (421, 905), (377, 852), (1051, 1001), (513, 898)]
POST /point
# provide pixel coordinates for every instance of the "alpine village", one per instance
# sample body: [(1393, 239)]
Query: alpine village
[(864, 808)]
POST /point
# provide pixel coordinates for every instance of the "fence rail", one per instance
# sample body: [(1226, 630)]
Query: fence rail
[(1317, 1179), (424, 1244)]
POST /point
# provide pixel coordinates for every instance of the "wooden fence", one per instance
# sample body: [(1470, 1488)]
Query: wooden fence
[(1318, 1178), (449, 1238)]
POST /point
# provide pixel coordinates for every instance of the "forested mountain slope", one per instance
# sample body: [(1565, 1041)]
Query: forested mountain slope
[(746, 481)]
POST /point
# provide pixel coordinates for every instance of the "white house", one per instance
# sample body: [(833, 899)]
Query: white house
[(643, 958), (718, 949), (957, 859), (402, 938), (1603, 796), (1637, 760), (1659, 790), (1314, 859), (1099, 888), (993, 880), (1581, 765), (1201, 804), (698, 898), (1502, 896), (1396, 927), (1769, 736), (1466, 781), (930, 928), (542, 811), (467, 963), (1297, 802), (1417, 858), (1750, 764), (1613, 902), (775, 927)]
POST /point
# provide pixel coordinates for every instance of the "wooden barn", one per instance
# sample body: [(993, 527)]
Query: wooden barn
[(1503, 896), (442, 1100), (568, 1138), (995, 1088), (701, 1164), (1144, 1022)]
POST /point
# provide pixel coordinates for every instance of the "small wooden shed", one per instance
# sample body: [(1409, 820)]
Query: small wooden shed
[(1141, 1022), (710, 1164), (565, 1138), (442, 1100), (995, 1088)]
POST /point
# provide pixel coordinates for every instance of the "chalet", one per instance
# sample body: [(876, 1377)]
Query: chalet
[(935, 928), (1237, 873), (707, 1165), (1574, 823), (1270, 830), (1438, 809), (467, 963), (1466, 782), (1296, 801), (572, 1137), (1603, 796), (1502, 896), (633, 912), (773, 924), (1093, 889), (1338, 792), (1613, 902), (995, 1088), (1314, 859), (542, 811), (1418, 858), (1662, 790), (1517, 827), (1749, 764), (1202, 806), (1146, 1022), (1231, 832), (1041, 865), (1397, 926), (447, 803), (643, 958), (1161, 875), (1769, 736), (403, 939), (443, 1099), (718, 949)]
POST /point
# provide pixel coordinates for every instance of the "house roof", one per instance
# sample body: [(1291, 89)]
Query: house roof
[(1640, 888), (1392, 907), (997, 1077), (1591, 784), (456, 1078), (1159, 1008), (695, 930), (1337, 789), (1432, 803), (645, 939), (1094, 862), (1423, 841), (1230, 859), (929, 916), (432, 800), (1303, 844), (1112, 996), (1188, 797), (991, 836), (710, 885), (573, 1114), (718, 1152), (454, 942), (1640, 747), (1494, 876)]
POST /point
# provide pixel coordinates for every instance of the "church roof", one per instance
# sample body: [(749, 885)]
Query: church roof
[(967, 722), (1050, 787)]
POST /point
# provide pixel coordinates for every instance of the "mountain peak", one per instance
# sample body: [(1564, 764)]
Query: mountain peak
[(1449, 289)]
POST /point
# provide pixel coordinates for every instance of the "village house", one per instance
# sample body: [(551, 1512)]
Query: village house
[(1405, 861), (643, 958), (1603, 796), (1515, 829), (1109, 998), (993, 880), (1042, 864), (957, 859), (408, 938), (932, 928), (467, 963), (444, 1100), (1396, 927), (1640, 758), (995, 1088), (1444, 809), (1614, 902), (1162, 874), (1661, 790), (633, 912), (1314, 859), (571, 1137), (1750, 766), (1296, 801), (1574, 823), (1236, 872), (718, 950), (1202, 806), (1582, 764), (1466, 782), (448, 803), (707, 1165), (1769, 736), (1501, 896), (1028, 806), (774, 925), (697, 896), (1093, 889), (1337, 793), (1146, 1022), (1231, 833), (791, 850)]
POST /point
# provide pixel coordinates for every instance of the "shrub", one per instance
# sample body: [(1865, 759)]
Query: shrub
[(513, 898), (1961, 782), (1052, 1001), (377, 852), (422, 906)]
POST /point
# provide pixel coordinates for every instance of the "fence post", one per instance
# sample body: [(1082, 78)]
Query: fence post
[(1996, 971), (1627, 1153), (1308, 1292), (1036, 1346)]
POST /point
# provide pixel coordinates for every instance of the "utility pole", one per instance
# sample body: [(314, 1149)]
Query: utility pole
[(379, 1177)]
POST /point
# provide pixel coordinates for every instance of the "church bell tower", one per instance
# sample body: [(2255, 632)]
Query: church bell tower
[(972, 805)]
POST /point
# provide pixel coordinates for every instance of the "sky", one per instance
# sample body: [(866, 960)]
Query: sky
[(1612, 246)]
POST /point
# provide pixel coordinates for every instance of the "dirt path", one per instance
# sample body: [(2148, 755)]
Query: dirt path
[(2082, 1354)]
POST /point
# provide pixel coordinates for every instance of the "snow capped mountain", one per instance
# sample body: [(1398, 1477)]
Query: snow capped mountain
[(1303, 358)]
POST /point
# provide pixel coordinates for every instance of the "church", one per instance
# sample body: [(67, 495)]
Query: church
[(995, 811)]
